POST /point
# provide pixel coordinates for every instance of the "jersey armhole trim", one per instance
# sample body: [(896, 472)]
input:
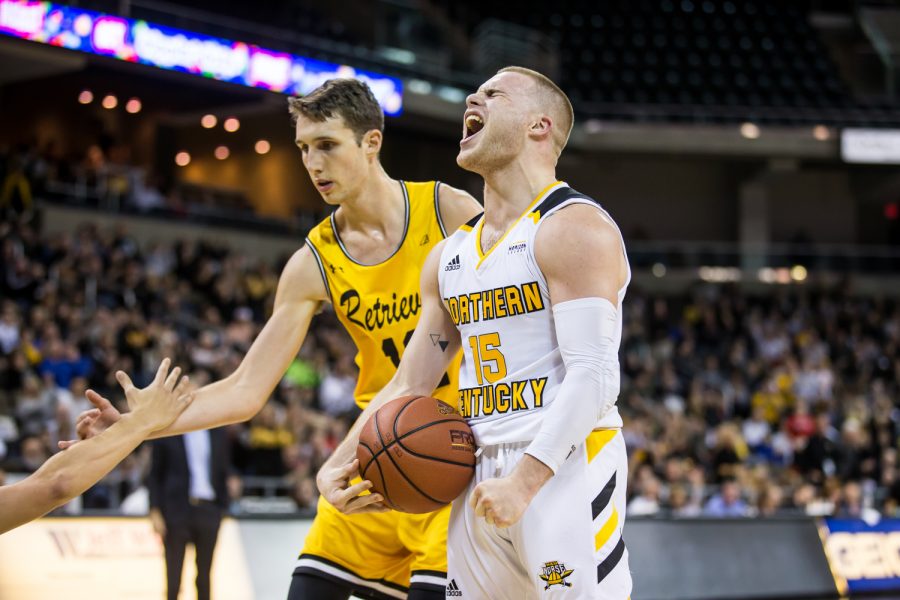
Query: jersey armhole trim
[(321, 265), (437, 207), (471, 223)]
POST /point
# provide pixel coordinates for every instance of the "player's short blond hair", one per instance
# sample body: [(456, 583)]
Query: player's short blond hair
[(555, 101)]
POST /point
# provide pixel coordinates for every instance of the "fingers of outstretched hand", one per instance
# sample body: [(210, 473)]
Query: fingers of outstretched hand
[(85, 424), (97, 400), (66, 444), (162, 371), (184, 400), (172, 379), (125, 381), (183, 386)]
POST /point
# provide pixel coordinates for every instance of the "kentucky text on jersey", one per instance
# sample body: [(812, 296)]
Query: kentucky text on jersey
[(497, 303), (502, 398), (380, 313)]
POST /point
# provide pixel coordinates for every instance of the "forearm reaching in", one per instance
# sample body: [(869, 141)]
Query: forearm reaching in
[(243, 393), (69, 473)]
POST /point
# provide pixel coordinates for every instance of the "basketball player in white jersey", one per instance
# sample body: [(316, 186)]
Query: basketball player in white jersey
[(532, 291)]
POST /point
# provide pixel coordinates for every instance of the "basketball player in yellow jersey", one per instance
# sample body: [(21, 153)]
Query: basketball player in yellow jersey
[(366, 260)]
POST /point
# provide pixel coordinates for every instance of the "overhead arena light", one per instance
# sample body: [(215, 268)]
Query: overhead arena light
[(750, 130)]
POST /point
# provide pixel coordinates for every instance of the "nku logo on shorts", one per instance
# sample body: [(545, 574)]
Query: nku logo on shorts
[(555, 573)]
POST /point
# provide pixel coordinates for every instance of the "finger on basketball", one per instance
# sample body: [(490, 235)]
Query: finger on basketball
[(355, 490), (368, 503), (351, 469)]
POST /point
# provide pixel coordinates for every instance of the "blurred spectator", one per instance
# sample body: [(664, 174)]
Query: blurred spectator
[(336, 390), (647, 501), (727, 503), (770, 501), (266, 443)]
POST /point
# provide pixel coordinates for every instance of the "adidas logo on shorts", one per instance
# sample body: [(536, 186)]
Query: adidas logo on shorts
[(453, 590), (453, 265)]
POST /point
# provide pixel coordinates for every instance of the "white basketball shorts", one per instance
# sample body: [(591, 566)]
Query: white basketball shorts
[(567, 545)]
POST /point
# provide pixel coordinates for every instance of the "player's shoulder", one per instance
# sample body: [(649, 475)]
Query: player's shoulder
[(579, 220), (575, 228), (303, 276), (562, 197), (457, 207), (322, 232)]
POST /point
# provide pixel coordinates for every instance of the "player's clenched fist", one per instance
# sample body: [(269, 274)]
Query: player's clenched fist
[(501, 502)]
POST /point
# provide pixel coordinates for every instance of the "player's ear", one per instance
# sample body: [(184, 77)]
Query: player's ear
[(541, 127), (371, 142)]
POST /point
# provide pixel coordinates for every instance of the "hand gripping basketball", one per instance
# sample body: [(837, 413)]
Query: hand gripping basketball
[(418, 453)]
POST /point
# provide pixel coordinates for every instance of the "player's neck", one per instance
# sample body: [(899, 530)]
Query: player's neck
[(508, 191), (376, 206)]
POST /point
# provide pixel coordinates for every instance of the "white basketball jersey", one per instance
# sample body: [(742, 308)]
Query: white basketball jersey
[(512, 367)]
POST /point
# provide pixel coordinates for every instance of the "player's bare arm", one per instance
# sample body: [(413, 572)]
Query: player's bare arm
[(70, 473), (581, 256), (421, 368), (243, 393), (457, 207)]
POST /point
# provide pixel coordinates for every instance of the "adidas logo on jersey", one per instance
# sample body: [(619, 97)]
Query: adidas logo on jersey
[(453, 590), (453, 265)]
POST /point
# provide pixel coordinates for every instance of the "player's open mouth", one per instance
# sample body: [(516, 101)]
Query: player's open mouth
[(473, 125), (324, 185)]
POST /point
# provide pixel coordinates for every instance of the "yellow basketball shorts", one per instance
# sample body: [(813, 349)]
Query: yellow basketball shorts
[(385, 553)]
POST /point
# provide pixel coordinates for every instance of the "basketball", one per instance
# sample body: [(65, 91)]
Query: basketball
[(418, 453)]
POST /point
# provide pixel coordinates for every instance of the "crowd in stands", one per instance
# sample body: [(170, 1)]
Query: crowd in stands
[(76, 308), (735, 404), (105, 177), (783, 401)]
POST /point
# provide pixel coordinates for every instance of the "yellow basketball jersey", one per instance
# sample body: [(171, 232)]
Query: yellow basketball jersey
[(380, 304)]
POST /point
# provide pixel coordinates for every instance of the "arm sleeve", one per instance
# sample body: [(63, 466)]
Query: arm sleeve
[(586, 330)]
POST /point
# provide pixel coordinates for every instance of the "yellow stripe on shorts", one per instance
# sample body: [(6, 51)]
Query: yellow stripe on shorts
[(607, 530), (597, 440)]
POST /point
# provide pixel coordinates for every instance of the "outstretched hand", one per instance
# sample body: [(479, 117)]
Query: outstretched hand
[(160, 403), (95, 421)]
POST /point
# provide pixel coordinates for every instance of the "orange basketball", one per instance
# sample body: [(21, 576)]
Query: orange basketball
[(418, 453)]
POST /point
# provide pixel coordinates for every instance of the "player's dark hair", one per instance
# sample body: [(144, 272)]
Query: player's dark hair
[(349, 99)]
